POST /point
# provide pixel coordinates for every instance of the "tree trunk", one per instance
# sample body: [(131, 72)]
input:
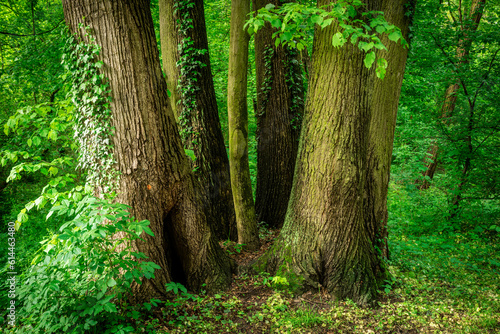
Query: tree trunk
[(468, 25), (279, 112), (156, 179), (197, 108), (340, 179), (385, 100), (238, 127), (170, 39)]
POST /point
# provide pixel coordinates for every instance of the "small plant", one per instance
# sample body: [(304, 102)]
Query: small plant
[(280, 283), (233, 247)]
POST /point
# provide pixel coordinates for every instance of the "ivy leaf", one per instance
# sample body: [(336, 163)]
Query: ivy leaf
[(395, 36), (369, 59), (381, 68), (380, 29), (368, 46)]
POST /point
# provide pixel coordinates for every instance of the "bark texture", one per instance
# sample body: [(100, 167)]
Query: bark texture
[(468, 24), (197, 108), (385, 100), (279, 114), (170, 40), (341, 177), (238, 127), (156, 179)]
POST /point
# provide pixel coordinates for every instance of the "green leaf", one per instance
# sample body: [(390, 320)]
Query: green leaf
[(53, 171), (148, 231), (368, 46), (351, 11), (190, 153), (369, 59), (338, 39), (286, 36), (37, 141), (380, 29), (110, 307), (316, 19), (111, 282), (30, 142), (276, 23), (395, 36)]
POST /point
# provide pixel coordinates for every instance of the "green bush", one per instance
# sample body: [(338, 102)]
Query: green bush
[(80, 277)]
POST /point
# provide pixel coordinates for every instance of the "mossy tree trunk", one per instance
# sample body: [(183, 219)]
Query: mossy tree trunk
[(196, 106), (238, 126), (385, 100), (280, 105), (328, 236), (169, 40), (156, 178)]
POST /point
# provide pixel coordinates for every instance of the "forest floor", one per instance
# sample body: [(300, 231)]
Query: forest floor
[(455, 290)]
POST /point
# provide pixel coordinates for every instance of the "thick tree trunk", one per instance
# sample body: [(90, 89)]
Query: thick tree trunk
[(238, 127), (385, 100), (468, 25), (156, 179), (197, 109), (279, 115), (340, 178)]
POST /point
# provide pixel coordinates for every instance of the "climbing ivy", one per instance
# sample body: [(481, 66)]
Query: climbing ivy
[(268, 79), (294, 80), (189, 65), (90, 94)]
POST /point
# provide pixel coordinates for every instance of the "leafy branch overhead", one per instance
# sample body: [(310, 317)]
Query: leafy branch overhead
[(294, 23)]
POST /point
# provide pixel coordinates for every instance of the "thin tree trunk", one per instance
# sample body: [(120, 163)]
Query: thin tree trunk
[(328, 236), (238, 127), (170, 40), (197, 109), (468, 25), (156, 179), (279, 115)]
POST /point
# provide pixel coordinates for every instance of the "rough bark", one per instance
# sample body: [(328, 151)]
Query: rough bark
[(156, 178), (197, 107), (467, 25), (328, 236), (169, 38), (246, 220), (385, 100), (279, 115)]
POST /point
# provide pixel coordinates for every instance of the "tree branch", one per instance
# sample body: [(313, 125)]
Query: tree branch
[(32, 34)]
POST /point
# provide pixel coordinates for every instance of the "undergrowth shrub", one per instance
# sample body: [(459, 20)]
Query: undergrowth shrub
[(80, 278)]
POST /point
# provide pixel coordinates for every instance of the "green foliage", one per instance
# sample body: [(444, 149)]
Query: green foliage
[(465, 186), (81, 276), (294, 22), (93, 129)]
